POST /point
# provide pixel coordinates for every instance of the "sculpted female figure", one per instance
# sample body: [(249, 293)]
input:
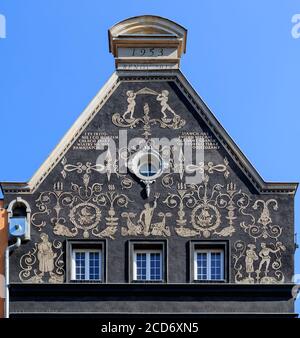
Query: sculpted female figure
[(251, 256), (45, 255)]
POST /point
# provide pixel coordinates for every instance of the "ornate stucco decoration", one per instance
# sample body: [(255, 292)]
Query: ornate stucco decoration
[(108, 168), (261, 265), (44, 263), (85, 216), (84, 203), (178, 168), (144, 225), (169, 118), (98, 102), (205, 202), (264, 226), (109, 200)]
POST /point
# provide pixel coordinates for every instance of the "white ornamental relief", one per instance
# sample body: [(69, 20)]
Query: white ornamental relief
[(169, 118), (258, 264), (109, 167), (264, 226), (84, 202), (144, 225), (44, 263), (85, 216), (206, 201)]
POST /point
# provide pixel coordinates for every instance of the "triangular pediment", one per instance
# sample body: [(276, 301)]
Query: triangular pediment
[(215, 128)]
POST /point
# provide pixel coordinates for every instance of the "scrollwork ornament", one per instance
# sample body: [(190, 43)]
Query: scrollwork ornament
[(263, 227), (46, 199), (42, 264)]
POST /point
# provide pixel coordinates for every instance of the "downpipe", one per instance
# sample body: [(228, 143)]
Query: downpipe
[(7, 251)]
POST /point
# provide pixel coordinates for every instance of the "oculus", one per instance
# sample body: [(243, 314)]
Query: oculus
[(147, 165)]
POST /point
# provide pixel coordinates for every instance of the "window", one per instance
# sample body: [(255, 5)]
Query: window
[(147, 261), (209, 265), (148, 169), (146, 164), (149, 164), (87, 265), (86, 261), (147, 266)]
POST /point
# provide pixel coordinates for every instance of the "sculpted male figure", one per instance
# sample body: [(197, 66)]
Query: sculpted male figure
[(264, 254), (146, 216), (163, 99), (131, 104)]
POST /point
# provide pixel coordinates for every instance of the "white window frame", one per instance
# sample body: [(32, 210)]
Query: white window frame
[(87, 264), (208, 252), (148, 264)]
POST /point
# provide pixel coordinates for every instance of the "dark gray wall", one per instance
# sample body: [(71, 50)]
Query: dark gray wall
[(245, 217)]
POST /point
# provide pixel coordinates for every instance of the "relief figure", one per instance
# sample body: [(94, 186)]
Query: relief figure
[(264, 254), (246, 259), (131, 105), (163, 99), (45, 255), (251, 256), (146, 216)]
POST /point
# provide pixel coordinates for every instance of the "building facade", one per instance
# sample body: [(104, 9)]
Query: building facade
[(147, 206)]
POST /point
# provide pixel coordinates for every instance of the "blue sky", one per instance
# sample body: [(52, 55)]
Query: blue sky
[(241, 58)]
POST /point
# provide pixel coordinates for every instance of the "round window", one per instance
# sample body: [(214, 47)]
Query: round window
[(147, 164)]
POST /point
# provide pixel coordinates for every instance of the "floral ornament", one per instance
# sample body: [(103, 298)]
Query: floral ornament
[(264, 226), (110, 199), (46, 199), (232, 200), (109, 167), (205, 216), (177, 166), (210, 168)]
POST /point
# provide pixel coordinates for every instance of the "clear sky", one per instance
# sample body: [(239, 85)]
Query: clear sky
[(241, 58)]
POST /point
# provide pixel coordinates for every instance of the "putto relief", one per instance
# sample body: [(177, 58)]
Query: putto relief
[(168, 119)]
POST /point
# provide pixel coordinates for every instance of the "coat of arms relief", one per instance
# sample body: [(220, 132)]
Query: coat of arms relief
[(204, 210)]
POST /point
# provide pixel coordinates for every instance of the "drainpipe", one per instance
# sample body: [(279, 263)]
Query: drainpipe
[(7, 251)]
